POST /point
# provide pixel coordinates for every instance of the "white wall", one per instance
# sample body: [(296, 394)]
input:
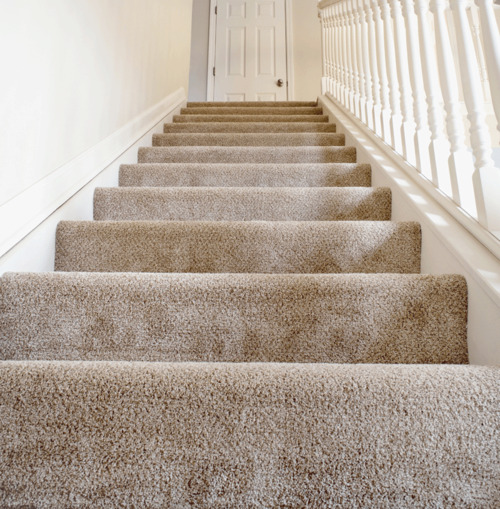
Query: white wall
[(75, 73), (199, 51), (306, 50), (306, 34)]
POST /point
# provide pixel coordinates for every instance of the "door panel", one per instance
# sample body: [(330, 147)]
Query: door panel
[(250, 50)]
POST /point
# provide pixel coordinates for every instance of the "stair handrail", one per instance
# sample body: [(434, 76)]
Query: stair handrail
[(424, 76)]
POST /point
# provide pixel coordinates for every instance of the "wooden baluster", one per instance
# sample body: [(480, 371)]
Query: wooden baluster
[(323, 50), (331, 58), (372, 45), (486, 178), (394, 95), (439, 146), (360, 61), (336, 43), (408, 125), (475, 26), (460, 162), (368, 84), (422, 133), (345, 48), (382, 72), (491, 40), (351, 57)]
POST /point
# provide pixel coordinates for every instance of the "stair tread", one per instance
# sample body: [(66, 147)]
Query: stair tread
[(392, 428), (235, 246), (347, 318), (214, 117), (248, 139), (245, 174), (241, 204), (248, 127), (304, 154)]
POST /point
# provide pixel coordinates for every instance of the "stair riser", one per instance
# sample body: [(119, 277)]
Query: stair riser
[(253, 110), (250, 118), (242, 204), (249, 139), (249, 127), (247, 435), (234, 318), (245, 175), (247, 155), (238, 247)]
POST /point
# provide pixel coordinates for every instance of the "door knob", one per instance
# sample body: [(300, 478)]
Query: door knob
[(280, 83)]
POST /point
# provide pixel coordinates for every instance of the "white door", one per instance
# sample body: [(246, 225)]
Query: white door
[(250, 51)]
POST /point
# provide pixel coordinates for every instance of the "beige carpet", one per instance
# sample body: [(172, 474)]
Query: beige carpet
[(242, 204), (243, 326), (245, 175)]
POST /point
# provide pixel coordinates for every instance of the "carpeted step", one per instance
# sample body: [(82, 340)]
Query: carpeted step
[(353, 318), (252, 110), (247, 246), (247, 155), (245, 175), (249, 127), (242, 204), (214, 117), (99, 434), (248, 139), (257, 104)]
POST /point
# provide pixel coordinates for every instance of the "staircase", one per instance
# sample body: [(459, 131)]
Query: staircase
[(243, 326)]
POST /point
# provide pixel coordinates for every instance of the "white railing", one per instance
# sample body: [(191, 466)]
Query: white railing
[(424, 75)]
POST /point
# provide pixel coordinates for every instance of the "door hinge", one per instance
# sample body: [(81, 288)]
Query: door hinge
[(213, 71), (216, 10)]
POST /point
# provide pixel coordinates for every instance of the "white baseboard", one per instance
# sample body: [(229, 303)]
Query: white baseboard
[(447, 245), (21, 215), (27, 244)]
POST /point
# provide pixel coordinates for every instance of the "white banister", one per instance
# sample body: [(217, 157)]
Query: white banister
[(422, 132), (460, 160), (491, 39), (486, 178), (408, 126), (367, 72), (438, 147), (392, 65), (385, 114), (394, 95)]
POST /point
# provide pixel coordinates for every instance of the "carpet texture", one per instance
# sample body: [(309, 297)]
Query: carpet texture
[(245, 175), (217, 117), (351, 318), (248, 435), (249, 139), (250, 127), (242, 204), (253, 110), (247, 155), (236, 246), (242, 325)]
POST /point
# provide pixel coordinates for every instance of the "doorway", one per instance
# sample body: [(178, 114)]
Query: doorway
[(249, 50)]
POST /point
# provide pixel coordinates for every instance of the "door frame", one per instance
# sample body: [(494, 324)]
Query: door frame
[(288, 50)]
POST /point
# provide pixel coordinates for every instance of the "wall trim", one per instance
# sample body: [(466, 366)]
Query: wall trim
[(22, 214)]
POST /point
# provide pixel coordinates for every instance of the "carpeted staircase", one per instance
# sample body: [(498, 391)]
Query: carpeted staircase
[(243, 326)]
